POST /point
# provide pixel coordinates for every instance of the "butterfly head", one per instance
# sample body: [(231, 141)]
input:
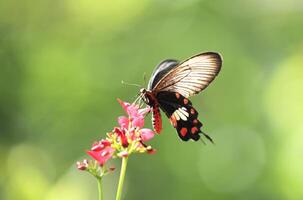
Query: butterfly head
[(144, 95), (143, 90), (147, 96)]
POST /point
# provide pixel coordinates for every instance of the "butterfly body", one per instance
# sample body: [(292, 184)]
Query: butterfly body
[(170, 85), (151, 100)]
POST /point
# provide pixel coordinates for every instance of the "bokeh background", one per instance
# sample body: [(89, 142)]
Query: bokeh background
[(61, 66)]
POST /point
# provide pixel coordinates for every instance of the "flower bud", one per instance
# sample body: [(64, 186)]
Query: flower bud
[(82, 165)]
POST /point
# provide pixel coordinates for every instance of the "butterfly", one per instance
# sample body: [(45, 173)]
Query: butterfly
[(171, 84)]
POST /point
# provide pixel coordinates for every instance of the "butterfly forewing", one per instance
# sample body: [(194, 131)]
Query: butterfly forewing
[(191, 76), (161, 70)]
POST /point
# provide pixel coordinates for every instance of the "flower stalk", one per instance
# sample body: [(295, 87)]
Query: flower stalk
[(100, 189), (122, 177)]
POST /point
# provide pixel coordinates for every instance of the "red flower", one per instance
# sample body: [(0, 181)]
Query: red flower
[(122, 136), (101, 151)]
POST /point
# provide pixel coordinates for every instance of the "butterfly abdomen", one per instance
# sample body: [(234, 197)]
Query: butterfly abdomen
[(157, 121), (153, 103)]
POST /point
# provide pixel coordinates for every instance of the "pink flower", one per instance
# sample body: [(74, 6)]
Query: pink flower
[(128, 138), (136, 115), (146, 134), (130, 130), (101, 151), (124, 140)]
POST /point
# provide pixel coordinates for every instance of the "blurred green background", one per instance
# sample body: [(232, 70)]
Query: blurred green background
[(61, 66)]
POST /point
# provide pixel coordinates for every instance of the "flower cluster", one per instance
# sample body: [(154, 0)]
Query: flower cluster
[(128, 138)]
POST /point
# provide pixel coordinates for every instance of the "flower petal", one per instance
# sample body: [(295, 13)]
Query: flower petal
[(144, 111), (132, 111), (106, 143), (122, 136), (103, 155), (138, 122), (98, 146), (151, 151), (124, 105), (123, 122), (146, 134)]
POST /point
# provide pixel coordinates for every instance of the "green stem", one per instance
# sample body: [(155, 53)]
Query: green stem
[(100, 188), (121, 179)]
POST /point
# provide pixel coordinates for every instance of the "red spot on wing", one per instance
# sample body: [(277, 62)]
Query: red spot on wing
[(195, 121), (194, 130), (183, 131), (192, 111), (185, 101), (177, 95), (157, 121)]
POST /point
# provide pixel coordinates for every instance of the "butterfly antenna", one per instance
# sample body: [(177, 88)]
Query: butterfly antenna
[(141, 100), (141, 103), (144, 78), (208, 137), (131, 84), (138, 98)]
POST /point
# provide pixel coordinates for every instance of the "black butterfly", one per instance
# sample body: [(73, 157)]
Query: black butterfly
[(171, 83)]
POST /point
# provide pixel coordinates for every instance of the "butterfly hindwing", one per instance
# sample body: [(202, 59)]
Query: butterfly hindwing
[(183, 116)]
